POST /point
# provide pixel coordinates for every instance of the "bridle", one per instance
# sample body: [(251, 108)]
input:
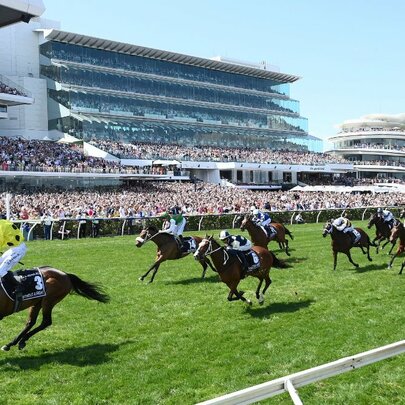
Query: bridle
[(210, 250), (327, 229), (147, 238)]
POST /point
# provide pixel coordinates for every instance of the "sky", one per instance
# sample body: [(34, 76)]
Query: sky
[(349, 54)]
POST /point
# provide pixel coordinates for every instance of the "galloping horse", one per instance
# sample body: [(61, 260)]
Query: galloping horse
[(167, 249), (398, 231), (259, 236), (382, 231), (230, 269), (57, 286), (342, 243)]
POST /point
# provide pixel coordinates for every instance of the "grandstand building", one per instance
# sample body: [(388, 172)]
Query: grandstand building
[(375, 144), (92, 90)]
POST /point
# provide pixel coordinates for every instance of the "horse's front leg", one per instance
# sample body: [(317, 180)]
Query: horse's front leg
[(157, 264), (259, 296), (402, 267), (392, 260), (368, 254), (385, 244), (334, 260), (348, 254), (150, 269), (286, 248), (204, 266), (233, 291), (32, 318), (392, 246), (46, 321)]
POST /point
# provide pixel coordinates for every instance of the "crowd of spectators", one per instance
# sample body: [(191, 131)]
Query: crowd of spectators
[(4, 88), (46, 156), (152, 198), (207, 153)]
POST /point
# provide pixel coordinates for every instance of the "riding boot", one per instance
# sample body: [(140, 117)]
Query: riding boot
[(18, 288), (245, 264), (353, 237)]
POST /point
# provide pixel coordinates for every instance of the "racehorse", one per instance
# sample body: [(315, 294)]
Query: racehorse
[(382, 231), (57, 286), (167, 249), (230, 268), (398, 231), (259, 236), (342, 243)]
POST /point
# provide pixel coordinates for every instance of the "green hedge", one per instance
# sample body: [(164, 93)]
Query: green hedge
[(114, 226)]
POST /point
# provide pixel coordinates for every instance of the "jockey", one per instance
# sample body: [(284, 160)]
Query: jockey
[(343, 224), (264, 219), (261, 218), (387, 216), (238, 243), (174, 224), (11, 239)]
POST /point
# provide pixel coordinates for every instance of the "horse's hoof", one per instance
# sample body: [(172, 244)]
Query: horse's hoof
[(249, 303), (140, 278), (21, 345), (356, 265), (5, 348)]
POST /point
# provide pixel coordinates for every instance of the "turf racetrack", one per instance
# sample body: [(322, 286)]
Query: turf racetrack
[(179, 341)]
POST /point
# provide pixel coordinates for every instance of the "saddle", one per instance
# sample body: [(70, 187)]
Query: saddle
[(189, 245), (32, 284), (269, 230), (250, 260)]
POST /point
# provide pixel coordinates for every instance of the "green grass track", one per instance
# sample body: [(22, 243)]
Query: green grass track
[(179, 341)]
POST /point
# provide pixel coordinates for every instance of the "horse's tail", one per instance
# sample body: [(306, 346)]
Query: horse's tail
[(279, 264), (288, 233), (88, 290)]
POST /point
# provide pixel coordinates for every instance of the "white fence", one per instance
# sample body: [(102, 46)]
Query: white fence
[(290, 382)]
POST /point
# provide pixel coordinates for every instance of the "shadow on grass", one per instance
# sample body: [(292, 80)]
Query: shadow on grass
[(371, 267), (278, 307), (91, 355), (293, 260), (196, 280)]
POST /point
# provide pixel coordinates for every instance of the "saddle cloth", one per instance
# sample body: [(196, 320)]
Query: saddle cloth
[(189, 245), (33, 285), (253, 260), (269, 230)]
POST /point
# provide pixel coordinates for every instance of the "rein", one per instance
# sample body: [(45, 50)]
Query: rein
[(210, 251), (147, 238)]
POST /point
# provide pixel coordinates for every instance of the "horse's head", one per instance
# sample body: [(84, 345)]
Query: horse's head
[(373, 219), (238, 220), (327, 229), (204, 248), (247, 219), (145, 235)]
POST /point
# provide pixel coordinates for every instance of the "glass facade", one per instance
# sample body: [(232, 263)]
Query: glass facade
[(130, 98)]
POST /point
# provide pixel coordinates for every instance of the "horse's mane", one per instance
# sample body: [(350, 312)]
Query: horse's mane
[(153, 228)]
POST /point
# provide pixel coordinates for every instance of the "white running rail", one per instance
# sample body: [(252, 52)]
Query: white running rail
[(291, 382)]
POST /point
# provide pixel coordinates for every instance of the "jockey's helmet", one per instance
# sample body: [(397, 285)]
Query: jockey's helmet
[(255, 212), (252, 208), (224, 235), (380, 210), (165, 215)]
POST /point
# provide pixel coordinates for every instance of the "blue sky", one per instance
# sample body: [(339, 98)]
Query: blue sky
[(349, 53)]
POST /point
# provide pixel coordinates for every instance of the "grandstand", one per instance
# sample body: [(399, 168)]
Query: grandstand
[(95, 91), (375, 144)]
